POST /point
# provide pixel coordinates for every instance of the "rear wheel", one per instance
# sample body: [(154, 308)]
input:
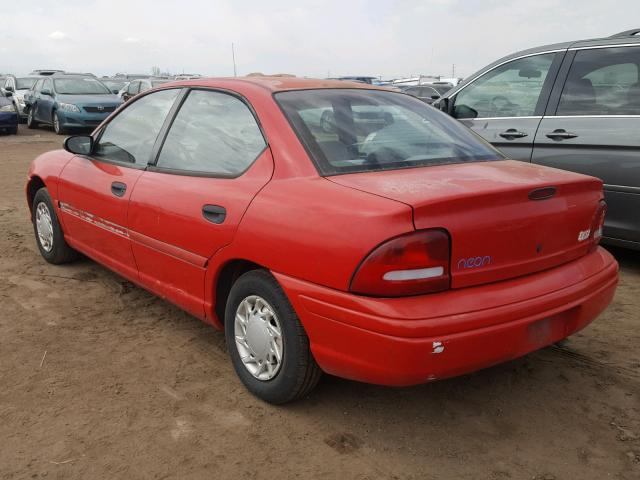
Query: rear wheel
[(268, 346), (49, 237)]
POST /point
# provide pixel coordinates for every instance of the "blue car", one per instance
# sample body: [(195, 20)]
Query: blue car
[(69, 101), (8, 116)]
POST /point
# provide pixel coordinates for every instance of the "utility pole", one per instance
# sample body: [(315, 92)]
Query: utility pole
[(233, 57), (453, 71)]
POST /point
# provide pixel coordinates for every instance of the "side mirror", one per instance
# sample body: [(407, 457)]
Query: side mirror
[(8, 88), (79, 144), (8, 93), (435, 97), (45, 91), (442, 104)]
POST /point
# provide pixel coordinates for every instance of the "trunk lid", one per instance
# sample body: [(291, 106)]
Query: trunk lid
[(497, 231)]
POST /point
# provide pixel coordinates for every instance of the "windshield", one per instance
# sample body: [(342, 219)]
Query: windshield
[(155, 83), (80, 86), (442, 89), (25, 83), (353, 130)]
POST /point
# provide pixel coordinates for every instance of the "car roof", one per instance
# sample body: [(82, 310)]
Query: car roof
[(277, 84)]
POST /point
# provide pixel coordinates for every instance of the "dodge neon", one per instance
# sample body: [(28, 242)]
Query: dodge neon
[(328, 226)]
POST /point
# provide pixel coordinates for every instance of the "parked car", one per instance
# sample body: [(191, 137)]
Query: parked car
[(575, 106), (441, 87), (69, 101), (424, 92), (8, 116), (142, 85), (114, 84), (16, 88), (358, 78), (45, 72), (395, 255)]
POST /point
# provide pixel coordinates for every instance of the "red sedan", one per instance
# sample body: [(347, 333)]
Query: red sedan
[(328, 226)]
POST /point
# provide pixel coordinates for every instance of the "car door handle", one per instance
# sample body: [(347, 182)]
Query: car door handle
[(214, 213), (118, 188), (560, 134), (512, 133)]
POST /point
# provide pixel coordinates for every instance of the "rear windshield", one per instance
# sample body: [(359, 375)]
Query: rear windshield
[(358, 130), (80, 86)]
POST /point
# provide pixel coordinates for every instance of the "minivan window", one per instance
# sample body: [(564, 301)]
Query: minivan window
[(510, 90), (359, 130), (131, 135), (603, 81), (213, 133)]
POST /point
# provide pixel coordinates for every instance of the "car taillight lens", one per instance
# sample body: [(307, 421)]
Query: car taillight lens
[(411, 264), (597, 224)]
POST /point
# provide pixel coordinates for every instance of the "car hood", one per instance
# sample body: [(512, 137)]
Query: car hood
[(89, 99)]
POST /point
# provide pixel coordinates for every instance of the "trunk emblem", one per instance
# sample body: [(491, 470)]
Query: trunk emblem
[(542, 193)]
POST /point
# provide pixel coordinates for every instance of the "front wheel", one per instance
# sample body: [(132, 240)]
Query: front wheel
[(31, 123), (59, 129), (267, 343), (49, 237)]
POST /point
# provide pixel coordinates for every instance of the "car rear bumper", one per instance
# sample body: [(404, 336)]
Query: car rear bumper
[(412, 340)]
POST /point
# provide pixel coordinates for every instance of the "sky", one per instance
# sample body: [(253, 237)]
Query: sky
[(388, 39)]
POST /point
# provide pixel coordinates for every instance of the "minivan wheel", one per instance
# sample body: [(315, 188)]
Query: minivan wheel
[(56, 125), (49, 237), (267, 343), (30, 120)]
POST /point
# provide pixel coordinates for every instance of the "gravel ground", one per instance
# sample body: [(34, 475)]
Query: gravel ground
[(100, 379)]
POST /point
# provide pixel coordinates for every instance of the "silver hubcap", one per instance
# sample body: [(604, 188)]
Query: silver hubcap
[(258, 337), (44, 227)]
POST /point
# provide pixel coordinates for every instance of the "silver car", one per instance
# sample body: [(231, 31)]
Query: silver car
[(574, 106)]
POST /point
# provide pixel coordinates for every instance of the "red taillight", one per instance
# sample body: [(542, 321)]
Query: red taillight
[(597, 224), (412, 264)]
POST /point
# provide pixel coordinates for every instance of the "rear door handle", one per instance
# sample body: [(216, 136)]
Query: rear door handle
[(512, 134), (214, 213), (118, 188), (561, 134)]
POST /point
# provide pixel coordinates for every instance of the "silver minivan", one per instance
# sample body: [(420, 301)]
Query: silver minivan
[(574, 106)]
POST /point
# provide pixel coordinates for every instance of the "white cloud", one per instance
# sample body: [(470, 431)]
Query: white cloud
[(131, 40), (58, 35)]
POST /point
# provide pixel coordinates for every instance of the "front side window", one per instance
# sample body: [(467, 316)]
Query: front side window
[(38, 85), (213, 133), (131, 135), (510, 90), (357, 130), (132, 89), (80, 86), (47, 85), (603, 81)]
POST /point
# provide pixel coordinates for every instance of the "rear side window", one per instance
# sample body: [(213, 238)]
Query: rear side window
[(603, 81), (358, 130), (131, 135), (214, 133)]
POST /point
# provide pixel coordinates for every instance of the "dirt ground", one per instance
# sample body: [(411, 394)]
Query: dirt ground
[(100, 379)]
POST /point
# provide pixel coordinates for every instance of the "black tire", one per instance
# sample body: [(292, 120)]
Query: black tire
[(298, 373), (55, 121), (13, 131), (31, 123), (59, 252)]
